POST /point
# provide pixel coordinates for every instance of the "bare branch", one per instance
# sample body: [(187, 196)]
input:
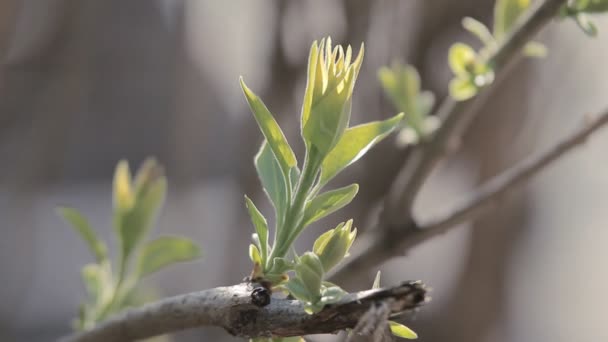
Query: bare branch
[(381, 245), (232, 308), (455, 117)]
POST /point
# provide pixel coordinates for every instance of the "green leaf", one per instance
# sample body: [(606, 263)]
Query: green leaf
[(82, 226), (355, 142), (402, 85), (132, 225), (462, 89), (479, 30), (261, 228), (165, 251), (333, 249), (328, 203), (273, 179), (271, 130), (461, 58), (535, 49), (254, 254), (92, 278), (402, 331), (310, 271), (506, 13), (123, 194)]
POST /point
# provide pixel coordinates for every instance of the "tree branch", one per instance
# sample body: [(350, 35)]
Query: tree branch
[(456, 116), (381, 245), (232, 308)]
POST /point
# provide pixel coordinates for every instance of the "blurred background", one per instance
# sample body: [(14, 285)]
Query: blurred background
[(86, 83)]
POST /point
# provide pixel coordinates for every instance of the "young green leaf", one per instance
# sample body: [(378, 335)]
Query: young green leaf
[(133, 224), (462, 88), (461, 58), (328, 203), (310, 271), (271, 130), (402, 331), (273, 179), (82, 226), (124, 196), (165, 251), (254, 255), (333, 248), (479, 30), (355, 142), (261, 228), (506, 13), (402, 84)]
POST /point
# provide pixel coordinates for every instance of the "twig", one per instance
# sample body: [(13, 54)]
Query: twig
[(455, 117), (396, 226), (232, 308), (382, 245)]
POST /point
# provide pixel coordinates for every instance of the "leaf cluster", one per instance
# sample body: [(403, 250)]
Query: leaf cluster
[(136, 202)]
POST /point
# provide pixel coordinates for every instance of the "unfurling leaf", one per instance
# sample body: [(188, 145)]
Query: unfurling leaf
[(261, 228), (332, 247), (83, 227), (328, 202), (271, 130), (327, 102), (124, 196), (165, 251), (376, 284), (355, 142), (133, 224)]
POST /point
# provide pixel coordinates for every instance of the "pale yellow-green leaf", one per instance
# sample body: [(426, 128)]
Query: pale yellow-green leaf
[(462, 89), (82, 226), (460, 58), (271, 130), (402, 331), (165, 251), (328, 202), (355, 142), (124, 197), (261, 228), (506, 13), (535, 49)]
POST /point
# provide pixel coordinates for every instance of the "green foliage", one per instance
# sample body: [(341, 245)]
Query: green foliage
[(472, 69), (296, 195), (136, 205), (401, 83)]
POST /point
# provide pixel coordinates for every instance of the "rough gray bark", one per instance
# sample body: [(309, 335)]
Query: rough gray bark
[(232, 308)]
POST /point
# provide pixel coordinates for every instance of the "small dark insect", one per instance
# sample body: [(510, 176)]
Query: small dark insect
[(260, 296)]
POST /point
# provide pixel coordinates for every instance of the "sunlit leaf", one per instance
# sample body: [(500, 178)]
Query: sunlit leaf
[(355, 142), (329, 202), (460, 58), (271, 130), (82, 226), (165, 251), (402, 331), (462, 89)]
